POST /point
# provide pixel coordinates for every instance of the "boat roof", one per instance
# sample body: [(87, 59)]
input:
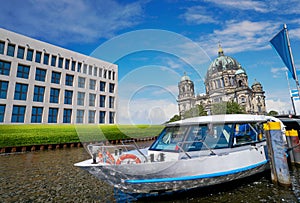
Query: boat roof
[(224, 118)]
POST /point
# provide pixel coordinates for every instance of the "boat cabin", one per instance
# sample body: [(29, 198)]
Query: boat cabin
[(210, 133)]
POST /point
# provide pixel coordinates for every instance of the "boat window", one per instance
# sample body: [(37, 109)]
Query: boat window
[(169, 138), (204, 137), (248, 133)]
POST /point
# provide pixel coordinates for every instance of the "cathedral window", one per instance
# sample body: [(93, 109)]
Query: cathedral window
[(240, 83), (243, 99)]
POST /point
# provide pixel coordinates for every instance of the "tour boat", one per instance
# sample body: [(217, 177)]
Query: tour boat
[(191, 153)]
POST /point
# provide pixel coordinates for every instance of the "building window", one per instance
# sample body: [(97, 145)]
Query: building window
[(84, 68), (109, 75), (69, 80), (80, 98), (111, 117), (102, 117), (95, 71), (53, 61), (52, 116), (111, 87), (4, 67), (68, 97), (102, 86), (111, 102), (2, 112), (38, 56), (79, 116), (114, 75), (92, 98), (40, 74), (21, 51), (79, 67), (67, 64), (3, 89), (54, 95), (55, 77), (23, 71), (21, 91), (38, 95), (29, 55), (102, 100), (91, 116), (2, 45), (73, 65), (92, 84), (18, 114), (11, 50), (46, 59), (100, 72), (60, 62), (105, 73), (81, 82), (67, 115), (36, 114), (90, 70)]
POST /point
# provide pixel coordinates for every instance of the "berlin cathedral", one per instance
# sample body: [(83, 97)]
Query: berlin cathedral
[(225, 80)]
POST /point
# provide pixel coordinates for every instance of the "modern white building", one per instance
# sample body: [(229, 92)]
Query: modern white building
[(43, 83)]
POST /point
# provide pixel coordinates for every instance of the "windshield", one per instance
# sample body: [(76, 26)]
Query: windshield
[(169, 138), (208, 136)]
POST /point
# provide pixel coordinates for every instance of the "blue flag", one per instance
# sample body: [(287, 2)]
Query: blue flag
[(280, 43)]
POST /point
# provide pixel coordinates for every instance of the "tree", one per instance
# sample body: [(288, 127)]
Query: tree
[(198, 110), (273, 113), (174, 118), (229, 107)]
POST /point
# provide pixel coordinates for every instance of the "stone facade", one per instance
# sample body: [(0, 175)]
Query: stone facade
[(225, 80)]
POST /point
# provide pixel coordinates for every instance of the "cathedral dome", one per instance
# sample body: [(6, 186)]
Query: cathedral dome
[(222, 63), (240, 71), (256, 83), (184, 78)]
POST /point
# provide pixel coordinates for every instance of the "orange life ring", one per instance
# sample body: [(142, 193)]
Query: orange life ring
[(109, 159), (128, 156)]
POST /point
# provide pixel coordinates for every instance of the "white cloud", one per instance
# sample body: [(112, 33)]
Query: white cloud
[(198, 15), (278, 105), (171, 89), (258, 6), (278, 72), (239, 36), (69, 21), (294, 33), (146, 111)]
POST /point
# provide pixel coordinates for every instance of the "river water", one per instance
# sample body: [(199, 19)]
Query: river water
[(49, 176)]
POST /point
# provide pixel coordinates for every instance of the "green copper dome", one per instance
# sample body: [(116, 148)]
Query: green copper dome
[(184, 78), (222, 63)]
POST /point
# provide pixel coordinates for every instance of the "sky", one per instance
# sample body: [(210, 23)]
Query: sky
[(154, 42)]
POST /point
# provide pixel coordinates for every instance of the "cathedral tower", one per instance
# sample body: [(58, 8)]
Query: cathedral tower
[(186, 97)]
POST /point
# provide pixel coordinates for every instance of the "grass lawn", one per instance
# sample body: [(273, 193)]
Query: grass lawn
[(24, 135)]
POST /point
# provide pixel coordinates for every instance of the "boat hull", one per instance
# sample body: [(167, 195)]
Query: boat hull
[(182, 174)]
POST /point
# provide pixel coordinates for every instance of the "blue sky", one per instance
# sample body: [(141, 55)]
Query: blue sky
[(155, 41)]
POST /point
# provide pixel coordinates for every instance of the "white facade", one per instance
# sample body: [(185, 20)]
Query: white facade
[(43, 83)]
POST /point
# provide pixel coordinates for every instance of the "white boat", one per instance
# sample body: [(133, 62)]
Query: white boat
[(190, 153)]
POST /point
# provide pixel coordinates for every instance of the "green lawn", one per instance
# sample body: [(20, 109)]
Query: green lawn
[(23, 135)]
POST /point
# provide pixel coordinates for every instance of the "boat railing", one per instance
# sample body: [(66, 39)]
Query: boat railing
[(113, 152)]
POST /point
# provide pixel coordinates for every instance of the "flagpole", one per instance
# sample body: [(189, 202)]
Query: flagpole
[(292, 59), (293, 104)]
